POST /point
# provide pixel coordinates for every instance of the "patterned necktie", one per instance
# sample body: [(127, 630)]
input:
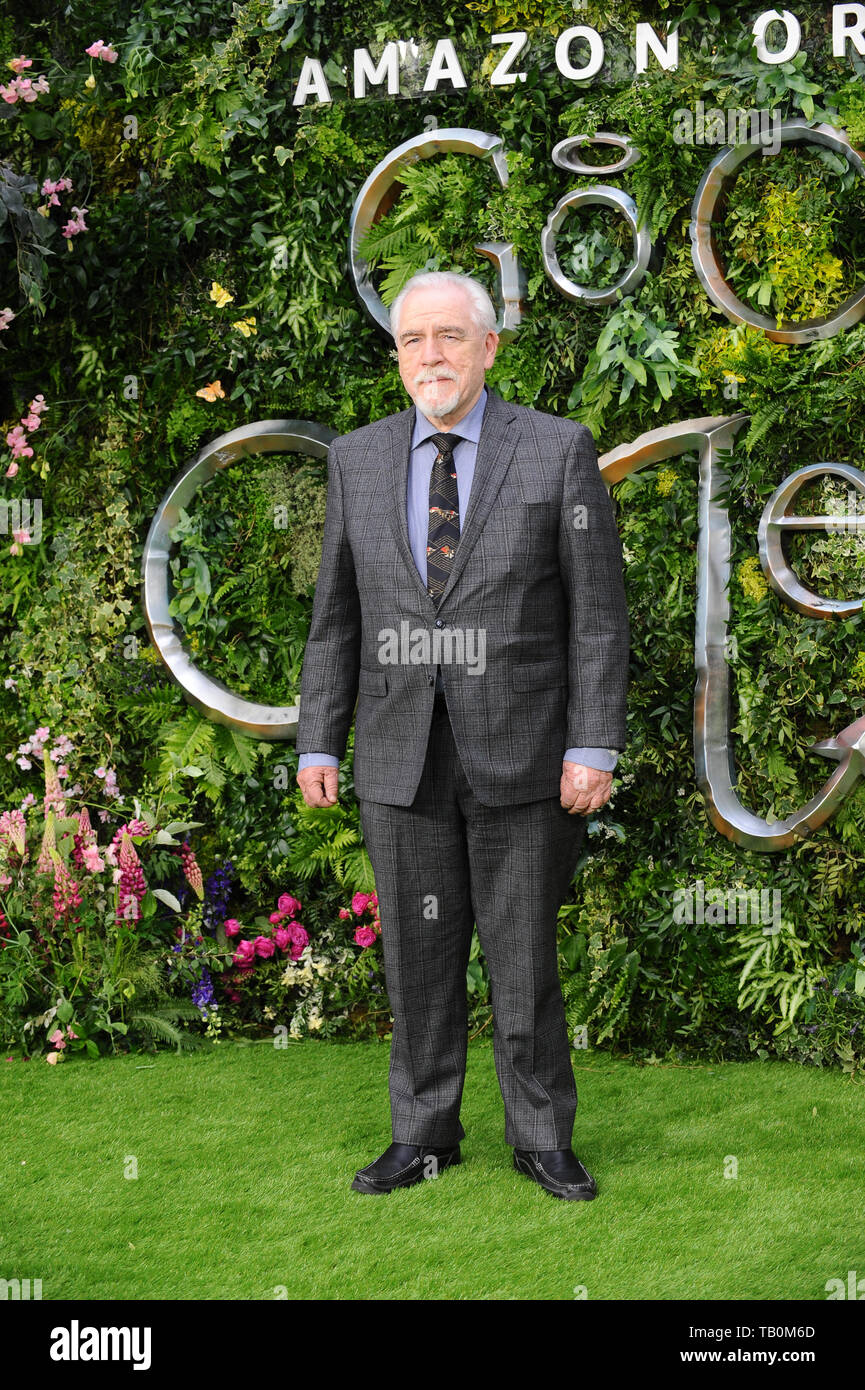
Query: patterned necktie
[(444, 516)]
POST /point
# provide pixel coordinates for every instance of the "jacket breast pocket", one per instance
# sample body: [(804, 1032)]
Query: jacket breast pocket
[(538, 675), (372, 682)]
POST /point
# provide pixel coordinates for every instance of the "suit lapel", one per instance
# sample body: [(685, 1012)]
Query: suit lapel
[(494, 453)]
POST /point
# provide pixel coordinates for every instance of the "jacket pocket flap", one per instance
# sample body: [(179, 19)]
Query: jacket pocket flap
[(372, 682), (537, 674)]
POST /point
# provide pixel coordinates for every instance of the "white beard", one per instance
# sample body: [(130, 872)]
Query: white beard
[(439, 407)]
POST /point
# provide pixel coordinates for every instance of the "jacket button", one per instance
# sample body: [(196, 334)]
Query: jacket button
[(430, 680), (439, 622)]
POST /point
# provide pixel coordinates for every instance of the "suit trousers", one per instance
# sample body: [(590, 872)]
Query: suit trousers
[(442, 864)]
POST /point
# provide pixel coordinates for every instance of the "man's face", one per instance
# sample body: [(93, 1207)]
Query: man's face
[(443, 355)]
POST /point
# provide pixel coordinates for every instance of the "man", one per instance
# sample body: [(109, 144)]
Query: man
[(471, 599)]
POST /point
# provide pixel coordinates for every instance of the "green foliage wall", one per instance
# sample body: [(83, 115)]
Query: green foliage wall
[(215, 252)]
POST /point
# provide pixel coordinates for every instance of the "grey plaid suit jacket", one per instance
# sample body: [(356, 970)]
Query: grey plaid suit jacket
[(539, 577)]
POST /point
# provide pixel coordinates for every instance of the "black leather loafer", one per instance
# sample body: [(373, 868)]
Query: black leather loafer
[(402, 1165), (558, 1171)]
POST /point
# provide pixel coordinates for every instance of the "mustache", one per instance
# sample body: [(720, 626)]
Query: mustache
[(423, 377)]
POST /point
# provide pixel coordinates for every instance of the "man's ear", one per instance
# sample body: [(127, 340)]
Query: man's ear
[(491, 343)]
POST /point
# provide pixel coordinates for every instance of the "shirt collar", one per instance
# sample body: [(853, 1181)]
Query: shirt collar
[(469, 427)]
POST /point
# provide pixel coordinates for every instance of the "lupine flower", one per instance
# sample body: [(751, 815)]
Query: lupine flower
[(66, 895), (44, 864), (192, 870), (53, 800), (132, 886), (13, 828)]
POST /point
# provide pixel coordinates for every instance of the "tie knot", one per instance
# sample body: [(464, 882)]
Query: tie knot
[(445, 443)]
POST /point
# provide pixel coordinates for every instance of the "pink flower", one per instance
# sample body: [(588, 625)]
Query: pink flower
[(75, 224), (70, 1034), (57, 1038), (244, 956), (359, 903), (344, 912), (103, 51), (17, 441), (299, 939), (6, 316), (92, 861), (276, 918), (232, 926), (19, 64), (12, 469), (364, 936), (282, 937), (54, 1057), (288, 905), (264, 947)]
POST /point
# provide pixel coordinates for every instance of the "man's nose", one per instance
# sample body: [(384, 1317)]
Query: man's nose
[(431, 349)]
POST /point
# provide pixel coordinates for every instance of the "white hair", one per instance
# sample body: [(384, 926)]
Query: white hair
[(483, 309)]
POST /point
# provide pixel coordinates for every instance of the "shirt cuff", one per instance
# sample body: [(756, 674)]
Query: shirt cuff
[(602, 759), (316, 760)]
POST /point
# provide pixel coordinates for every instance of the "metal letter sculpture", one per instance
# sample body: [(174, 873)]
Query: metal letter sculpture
[(375, 198), (713, 752), (709, 190), (207, 694)]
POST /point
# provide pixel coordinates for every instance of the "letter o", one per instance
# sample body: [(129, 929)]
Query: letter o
[(211, 696)]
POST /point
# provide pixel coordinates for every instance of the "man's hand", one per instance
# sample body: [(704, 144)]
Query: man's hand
[(319, 785), (583, 789)]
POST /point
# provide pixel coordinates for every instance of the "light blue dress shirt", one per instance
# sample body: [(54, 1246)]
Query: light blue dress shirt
[(423, 453)]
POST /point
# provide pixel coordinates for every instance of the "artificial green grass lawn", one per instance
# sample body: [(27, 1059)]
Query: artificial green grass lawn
[(245, 1154)]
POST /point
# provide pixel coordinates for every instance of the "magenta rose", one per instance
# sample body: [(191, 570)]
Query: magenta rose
[(244, 956), (232, 926), (282, 937), (264, 946), (364, 936), (359, 903), (299, 939), (288, 905)]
